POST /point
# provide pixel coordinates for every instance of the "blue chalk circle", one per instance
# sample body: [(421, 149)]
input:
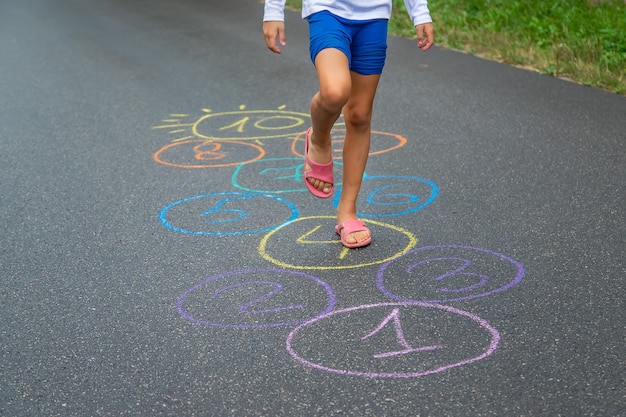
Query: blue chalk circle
[(228, 213), (393, 195), (274, 176)]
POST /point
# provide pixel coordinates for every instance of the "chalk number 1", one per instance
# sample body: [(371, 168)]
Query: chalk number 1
[(394, 317)]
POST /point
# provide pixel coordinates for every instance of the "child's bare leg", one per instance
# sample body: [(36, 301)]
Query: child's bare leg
[(326, 105), (358, 116)]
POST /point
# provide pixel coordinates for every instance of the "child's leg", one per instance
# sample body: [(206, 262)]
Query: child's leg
[(358, 116), (335, 84)]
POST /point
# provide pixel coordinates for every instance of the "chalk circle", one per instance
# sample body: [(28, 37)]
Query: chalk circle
[(275, 176), (256, 298), (313, 245), (392, 195), (203, 153), (250, 124), (437, 274), (381, 142), (421, 339), (227, 213)]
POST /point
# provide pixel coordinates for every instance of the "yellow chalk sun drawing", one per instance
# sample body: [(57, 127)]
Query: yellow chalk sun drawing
[(239, 125)]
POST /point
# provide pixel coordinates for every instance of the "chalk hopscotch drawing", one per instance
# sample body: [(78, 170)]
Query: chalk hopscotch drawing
[(415, 335)]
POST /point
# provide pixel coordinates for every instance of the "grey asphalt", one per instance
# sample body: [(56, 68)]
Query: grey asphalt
[(160, 256)]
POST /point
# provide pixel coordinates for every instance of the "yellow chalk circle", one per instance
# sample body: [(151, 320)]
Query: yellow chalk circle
[(250, 124), (311, 243)]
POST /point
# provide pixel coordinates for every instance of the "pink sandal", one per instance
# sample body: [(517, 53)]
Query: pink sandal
[(351, 226), (322, 172)]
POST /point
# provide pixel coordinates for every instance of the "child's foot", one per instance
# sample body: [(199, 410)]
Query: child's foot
[(354, 233), (318, 176)]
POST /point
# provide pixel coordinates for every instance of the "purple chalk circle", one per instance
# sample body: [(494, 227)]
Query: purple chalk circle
[(437, 274), (392, 340), (256, 298)]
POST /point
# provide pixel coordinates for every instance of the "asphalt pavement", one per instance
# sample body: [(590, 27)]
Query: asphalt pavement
[(160, 254)]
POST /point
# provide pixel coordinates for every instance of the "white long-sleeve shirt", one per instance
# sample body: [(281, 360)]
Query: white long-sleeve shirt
[(350, 9)]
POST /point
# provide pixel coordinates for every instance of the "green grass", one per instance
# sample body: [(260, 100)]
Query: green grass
[(582, 40)]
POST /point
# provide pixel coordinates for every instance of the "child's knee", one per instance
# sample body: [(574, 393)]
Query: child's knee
[(335, 96), (358, 116)]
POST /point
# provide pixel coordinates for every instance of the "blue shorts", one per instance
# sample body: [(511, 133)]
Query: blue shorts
[(364, 42)]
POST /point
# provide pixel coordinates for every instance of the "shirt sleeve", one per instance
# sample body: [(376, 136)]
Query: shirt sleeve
[(274, 10), (418, 11)]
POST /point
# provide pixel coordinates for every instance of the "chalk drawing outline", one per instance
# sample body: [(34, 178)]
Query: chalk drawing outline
[(516, 279), (297, 177), (165, 222), (244, 308), (412, 241), (239, 122), (493, 344), (337, 144), (158, 155), (412, 197)]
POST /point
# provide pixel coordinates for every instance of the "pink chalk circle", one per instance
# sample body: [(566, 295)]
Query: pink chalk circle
[(404, 355)]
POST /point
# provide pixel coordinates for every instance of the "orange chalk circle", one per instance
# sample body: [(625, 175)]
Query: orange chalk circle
[(212, 154), (381, 142), (208, 151)]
